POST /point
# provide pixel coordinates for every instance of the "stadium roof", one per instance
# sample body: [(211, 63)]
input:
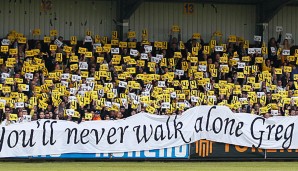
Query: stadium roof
[(266, 9)]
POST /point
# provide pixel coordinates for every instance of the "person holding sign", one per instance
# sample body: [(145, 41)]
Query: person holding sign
[(285, 46), (273, 46)]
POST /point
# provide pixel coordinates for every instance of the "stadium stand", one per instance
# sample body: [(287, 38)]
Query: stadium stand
[(100, 79), (105, 78)]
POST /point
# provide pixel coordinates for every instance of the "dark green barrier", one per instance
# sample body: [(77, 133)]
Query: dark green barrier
[(205, 149), (209, 150), (282, 154)]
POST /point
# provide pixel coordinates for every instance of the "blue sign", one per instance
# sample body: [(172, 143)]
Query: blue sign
[(180, 152)]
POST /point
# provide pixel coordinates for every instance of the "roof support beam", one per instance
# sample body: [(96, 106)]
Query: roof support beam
[(125, 8), (266, 10)]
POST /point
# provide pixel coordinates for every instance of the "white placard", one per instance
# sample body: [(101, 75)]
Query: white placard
[(65, 76), (19, 105), (258, 50), (72, 91), (29, 76), (278, 29), (70, 112), (58, 43), (203, 68), (218, 48), (145, 93), (173, 95), (273, 50), (274, 112), (96, 45), (241, 65), (155, 60), (159, 56), (88, 39), (148, 87), (134, 52), (74, 77), (165, 105), (194, 99), (257, 38), (144, 56), (27, 118), (4, 75), (260, 94), (161, 84), (83, 65), (179, 72), (285, 52), (90, 80), (288, 36), (5, 42), (122, 84), (115, 51), (251, 51), (148, 48), (26, 88)]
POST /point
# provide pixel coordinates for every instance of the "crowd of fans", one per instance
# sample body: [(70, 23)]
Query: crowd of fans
[(99, 79)]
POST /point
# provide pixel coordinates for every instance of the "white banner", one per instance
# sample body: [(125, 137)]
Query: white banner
[(146, 131)]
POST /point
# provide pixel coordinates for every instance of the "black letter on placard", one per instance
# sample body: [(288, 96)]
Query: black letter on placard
[(75, 141), (228, 121), (2, 138), (270, 127), (122, 132), (38, 124), (16, 139), (159, 136), (44, 143), (288, 138), (177, 127), (110, 135), (252, 131), (208, 117), (238, 128), (83, 135), (200, 128), (52, 142), (96, 134), (278, 131), (24, 144), (214, 125), (137, 130), (168, 128)]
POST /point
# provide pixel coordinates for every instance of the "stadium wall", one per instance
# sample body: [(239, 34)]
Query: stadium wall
[(287, 18), (68, 17), (75, 17), (158, 17)]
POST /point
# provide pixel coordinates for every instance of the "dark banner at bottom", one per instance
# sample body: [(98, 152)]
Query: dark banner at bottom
[(209, 150)]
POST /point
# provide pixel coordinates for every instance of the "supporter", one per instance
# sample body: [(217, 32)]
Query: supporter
[(41, 115), (285, 46), (34, 117), (273, 46), (119, 115), (107, 117), (47, 115), (267, 115), (96, 116), (296, 112)]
